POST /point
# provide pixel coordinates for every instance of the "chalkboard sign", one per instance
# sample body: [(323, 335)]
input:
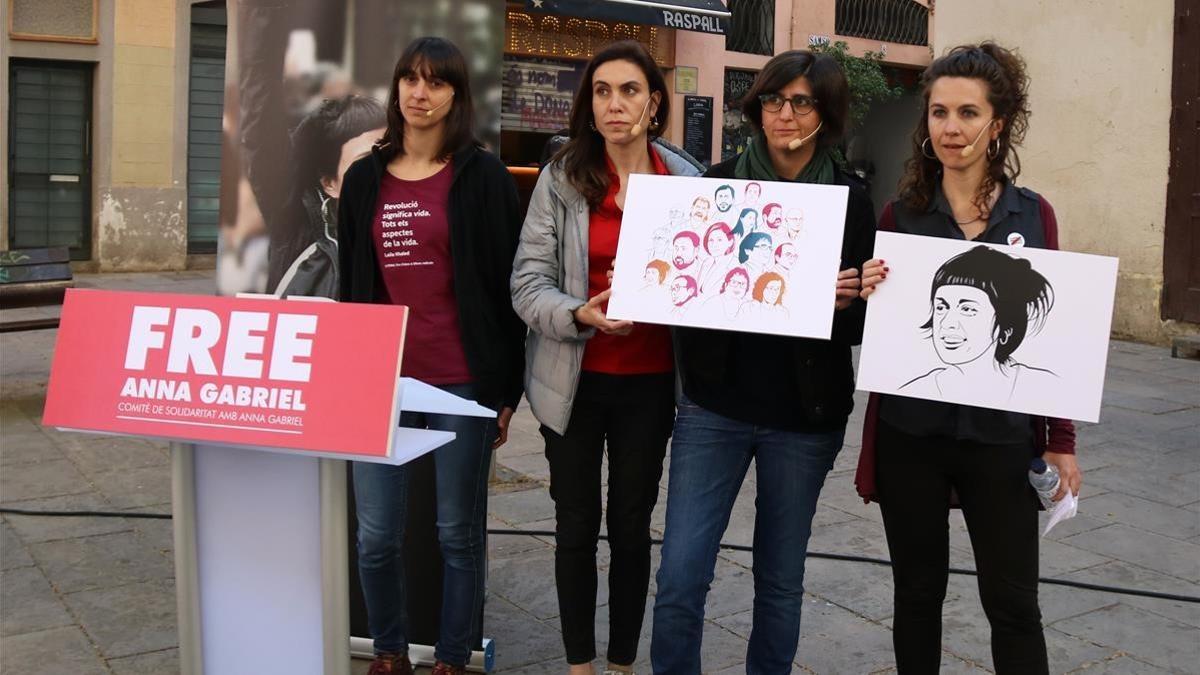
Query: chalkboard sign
[(697, 127)]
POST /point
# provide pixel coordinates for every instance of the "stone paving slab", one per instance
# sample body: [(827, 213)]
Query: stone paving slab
[(1148, 637), (40, 607), (38, 480), (36, 529), (1146, 549), (50, 652), (25, 447), (103, 561), (128, 620), (12, 551), (1126, 575), (153, 663), (1143, 514)]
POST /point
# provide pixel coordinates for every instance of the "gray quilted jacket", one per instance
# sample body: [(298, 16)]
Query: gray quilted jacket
[(550, 280)]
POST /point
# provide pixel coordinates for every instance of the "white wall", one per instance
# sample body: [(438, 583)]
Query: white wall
[(1097, 146)]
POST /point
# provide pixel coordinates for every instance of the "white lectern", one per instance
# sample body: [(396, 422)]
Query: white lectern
[(264, 400), (260, 558)]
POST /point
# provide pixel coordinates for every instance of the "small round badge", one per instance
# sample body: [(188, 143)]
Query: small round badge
[(1015, 239)]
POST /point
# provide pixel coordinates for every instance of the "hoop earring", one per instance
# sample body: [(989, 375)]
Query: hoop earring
[(328, 215), (992, 152), (927, 155)]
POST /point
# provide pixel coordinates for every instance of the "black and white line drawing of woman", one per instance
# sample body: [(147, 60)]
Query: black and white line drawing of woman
[(983, 304)]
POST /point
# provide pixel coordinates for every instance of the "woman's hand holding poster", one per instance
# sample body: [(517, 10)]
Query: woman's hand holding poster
[(729, 254), (1006, 327)]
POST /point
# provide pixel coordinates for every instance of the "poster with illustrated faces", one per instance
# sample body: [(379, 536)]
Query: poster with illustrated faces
[(1004, 327), (759, 257)]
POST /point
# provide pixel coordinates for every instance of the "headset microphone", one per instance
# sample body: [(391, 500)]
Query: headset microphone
[(637, 126), (966, 151), (797, 142), (429, 113)]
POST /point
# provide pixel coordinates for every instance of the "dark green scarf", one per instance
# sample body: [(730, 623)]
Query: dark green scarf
[(755, 164)]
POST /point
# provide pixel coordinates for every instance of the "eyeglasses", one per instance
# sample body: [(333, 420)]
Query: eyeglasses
[(801, 104)]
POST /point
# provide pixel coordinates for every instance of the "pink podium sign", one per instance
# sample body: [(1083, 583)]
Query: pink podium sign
[(281, 374)]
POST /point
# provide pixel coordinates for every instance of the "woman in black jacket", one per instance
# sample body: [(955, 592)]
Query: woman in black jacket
[(960, 183), (430, 220), (780, 401)]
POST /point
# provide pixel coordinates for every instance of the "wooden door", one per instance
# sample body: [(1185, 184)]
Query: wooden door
[(1181, 257)]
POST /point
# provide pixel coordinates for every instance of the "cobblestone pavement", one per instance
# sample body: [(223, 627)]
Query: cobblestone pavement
[(95, 595)]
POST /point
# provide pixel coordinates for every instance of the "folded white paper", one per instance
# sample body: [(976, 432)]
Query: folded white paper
[(1062, 509), (417, 396), (409, 444)]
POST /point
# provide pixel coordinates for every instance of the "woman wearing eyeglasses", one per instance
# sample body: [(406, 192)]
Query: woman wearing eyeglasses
[(782, 402)]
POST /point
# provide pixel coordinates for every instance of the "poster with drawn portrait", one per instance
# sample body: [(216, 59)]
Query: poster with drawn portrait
[(758, 257), (1004, 327)]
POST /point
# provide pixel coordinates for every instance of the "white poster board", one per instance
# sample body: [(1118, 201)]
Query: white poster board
[(1004, 327), (741, 255)]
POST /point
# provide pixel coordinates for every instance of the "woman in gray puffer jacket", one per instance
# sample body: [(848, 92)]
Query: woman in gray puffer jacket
[(593, 382)]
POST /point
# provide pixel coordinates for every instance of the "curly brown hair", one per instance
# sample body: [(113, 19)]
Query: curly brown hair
[(1003, 71)]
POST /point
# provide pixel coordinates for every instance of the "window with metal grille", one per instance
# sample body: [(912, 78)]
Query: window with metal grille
[(899, 21), (751, 27)]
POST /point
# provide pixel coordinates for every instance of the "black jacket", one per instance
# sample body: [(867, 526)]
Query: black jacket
[(485, 222), (794, 384)]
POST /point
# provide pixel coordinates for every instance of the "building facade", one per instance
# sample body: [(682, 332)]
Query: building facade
[(97, 119), (113, 117), (545, 54)]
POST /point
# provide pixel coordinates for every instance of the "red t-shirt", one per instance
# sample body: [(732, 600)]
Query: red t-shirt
[(411, 230), (648, 348)]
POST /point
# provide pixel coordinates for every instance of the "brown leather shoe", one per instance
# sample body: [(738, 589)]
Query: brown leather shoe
[(390, 664), (440, 668)]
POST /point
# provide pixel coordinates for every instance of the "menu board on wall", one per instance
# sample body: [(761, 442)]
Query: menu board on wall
[(538, 93), (697, 127)]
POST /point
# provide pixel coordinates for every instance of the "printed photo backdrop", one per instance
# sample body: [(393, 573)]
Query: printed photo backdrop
[(306, 83), (758, 257), (1004, 327)]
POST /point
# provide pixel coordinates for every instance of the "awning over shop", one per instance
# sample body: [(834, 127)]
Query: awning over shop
[(703, 16)]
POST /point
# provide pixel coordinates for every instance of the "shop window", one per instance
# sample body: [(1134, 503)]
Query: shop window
[(535, 104)]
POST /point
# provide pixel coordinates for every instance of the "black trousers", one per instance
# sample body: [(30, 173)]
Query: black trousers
[(634, 414), (914, 476)]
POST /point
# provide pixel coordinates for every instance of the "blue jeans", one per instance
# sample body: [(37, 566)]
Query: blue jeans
[(709, 458), (381, 494)]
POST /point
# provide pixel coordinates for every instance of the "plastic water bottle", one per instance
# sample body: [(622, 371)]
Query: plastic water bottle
[(1044, 479)]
